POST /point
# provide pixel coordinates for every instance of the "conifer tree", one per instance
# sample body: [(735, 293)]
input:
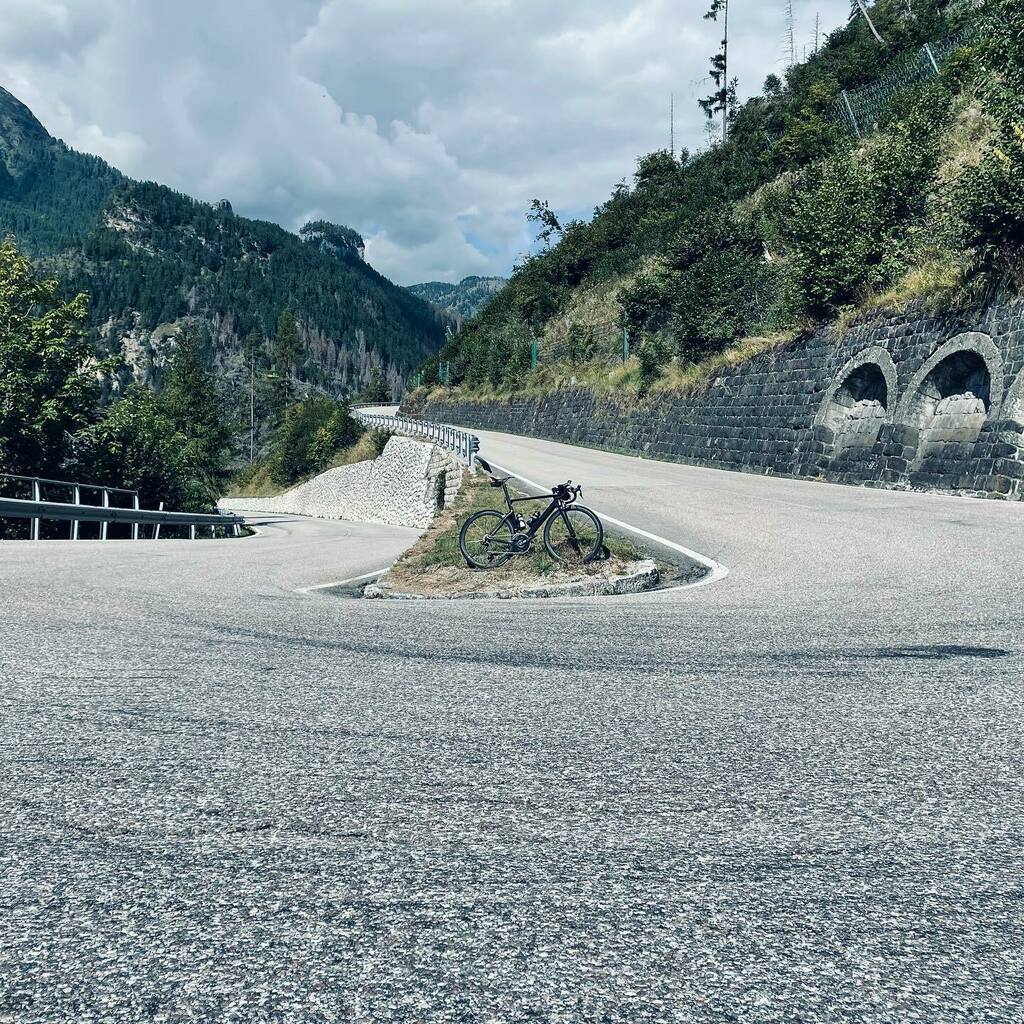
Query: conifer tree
[(191, 401), (718, 101), (285, 357)]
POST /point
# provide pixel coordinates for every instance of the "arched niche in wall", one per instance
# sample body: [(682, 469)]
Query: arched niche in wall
[(860, 399), (951, 395)]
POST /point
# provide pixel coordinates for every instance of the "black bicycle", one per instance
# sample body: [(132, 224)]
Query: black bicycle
[(573, 534)]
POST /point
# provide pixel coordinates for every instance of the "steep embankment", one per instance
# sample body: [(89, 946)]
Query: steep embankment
[(149, 257), (868, 173), (903, 400)]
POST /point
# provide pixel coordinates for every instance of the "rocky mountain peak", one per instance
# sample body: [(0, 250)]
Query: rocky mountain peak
[(333, 239)]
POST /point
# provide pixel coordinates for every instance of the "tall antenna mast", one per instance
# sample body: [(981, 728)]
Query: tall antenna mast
[(817, 30), (790, 32), (672, 125)]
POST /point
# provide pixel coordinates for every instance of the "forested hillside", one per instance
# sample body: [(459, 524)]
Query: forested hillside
[(150, 257), (464, 299), (800, 215)]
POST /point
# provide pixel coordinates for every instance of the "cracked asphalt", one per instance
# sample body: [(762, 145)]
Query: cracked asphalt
[(791, 795)]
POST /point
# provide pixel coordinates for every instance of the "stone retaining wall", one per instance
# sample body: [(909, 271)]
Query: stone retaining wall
[(405, 486), (908, 400)]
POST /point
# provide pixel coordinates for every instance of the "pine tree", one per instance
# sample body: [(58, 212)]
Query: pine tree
[(193, 404), (285, 356), (718, 101)]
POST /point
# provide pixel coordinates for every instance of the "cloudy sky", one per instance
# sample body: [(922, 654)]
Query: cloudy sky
[(427, 125)]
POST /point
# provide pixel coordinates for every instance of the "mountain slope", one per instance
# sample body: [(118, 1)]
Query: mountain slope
[(464, 299), (150, 257)]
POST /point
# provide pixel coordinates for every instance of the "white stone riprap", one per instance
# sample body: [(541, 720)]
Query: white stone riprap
[(405, 486)]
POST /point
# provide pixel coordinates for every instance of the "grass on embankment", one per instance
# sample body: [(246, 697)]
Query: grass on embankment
[(434, 565), (257, 480), (622, 380)]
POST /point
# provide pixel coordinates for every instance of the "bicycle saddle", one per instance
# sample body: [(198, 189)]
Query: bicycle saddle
[(497, 481)]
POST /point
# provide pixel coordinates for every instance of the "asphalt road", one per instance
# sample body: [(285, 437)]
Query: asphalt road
[(792, 795)]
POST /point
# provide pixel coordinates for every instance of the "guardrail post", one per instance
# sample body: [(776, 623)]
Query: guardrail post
[(106, 504), (156, 528), (77, 498), (36, 496), (192, 532), (135, 526)]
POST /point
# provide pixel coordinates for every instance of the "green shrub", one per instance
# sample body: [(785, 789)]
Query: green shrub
[(311, 433), (653, 355), (48, 389), (846, 225), (990, 197), (136, 445)]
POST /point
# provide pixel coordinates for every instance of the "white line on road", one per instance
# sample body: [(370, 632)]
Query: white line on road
[(716, 571), (342, 583)]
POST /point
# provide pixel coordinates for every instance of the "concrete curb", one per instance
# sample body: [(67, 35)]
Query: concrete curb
[(645, 576)]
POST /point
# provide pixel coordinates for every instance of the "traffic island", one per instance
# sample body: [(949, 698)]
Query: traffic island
[(434, 569)]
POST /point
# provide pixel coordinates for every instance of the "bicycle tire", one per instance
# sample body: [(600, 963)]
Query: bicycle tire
[(582, 535), (486, 559)]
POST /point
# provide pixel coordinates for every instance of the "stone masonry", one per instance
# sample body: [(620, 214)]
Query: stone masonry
[(903, 400), (405, 486)]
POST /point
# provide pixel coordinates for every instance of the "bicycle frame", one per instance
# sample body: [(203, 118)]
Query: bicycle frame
[(532, 528)]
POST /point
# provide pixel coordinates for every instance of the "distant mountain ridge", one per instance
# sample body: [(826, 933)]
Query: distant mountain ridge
[(150, 257), (464, 299)]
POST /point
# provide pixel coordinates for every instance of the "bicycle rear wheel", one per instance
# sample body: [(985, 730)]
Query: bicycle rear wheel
[(485, 539), (573, 535)]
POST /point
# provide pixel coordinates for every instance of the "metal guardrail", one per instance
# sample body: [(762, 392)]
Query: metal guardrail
[(461, 442), (36, 509)]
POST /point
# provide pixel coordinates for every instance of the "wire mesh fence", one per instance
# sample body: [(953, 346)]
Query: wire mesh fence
[(606, 341), (860, 109)]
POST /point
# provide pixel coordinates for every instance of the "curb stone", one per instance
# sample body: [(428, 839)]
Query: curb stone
[(644, 575)]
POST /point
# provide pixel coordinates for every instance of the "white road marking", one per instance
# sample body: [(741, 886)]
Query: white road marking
[(342, 583), (716, 571)]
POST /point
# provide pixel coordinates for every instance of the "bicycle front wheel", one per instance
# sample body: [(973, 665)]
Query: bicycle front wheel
[(485, 539), (573, 535)]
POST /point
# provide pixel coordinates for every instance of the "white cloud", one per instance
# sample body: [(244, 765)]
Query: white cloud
[(427, 127)]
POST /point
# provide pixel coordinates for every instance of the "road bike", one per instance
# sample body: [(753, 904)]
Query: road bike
[(573, 535)]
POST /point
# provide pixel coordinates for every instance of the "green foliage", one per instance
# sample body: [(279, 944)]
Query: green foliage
[(149, 256), (464, 299), (376, 390), (193, 405), (171, 447), (846, 224), (653, 354), (991, 196), (843, 221), (379, 440), (718, 101), (311, 433), (715, 287), (49, 383), (285, 357), (136, 445)]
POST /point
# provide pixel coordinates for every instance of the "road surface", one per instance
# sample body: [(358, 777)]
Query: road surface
[(791, 795)]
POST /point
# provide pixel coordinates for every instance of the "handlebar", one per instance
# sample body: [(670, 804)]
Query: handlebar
[(566, 491)]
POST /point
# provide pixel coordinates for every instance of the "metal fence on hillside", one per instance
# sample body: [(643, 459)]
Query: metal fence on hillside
[(860, 109), (580, 343)]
